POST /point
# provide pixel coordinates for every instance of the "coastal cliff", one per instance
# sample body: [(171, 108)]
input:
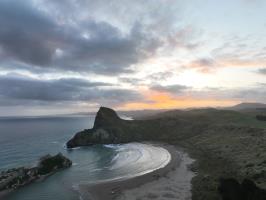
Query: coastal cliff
[(226, 144), (109, 128)]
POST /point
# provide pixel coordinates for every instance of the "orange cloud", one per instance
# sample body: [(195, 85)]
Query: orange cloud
[(166, 101), (242, 63)]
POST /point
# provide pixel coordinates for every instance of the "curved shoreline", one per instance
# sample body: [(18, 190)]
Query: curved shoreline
[(144, 149), (115, 188)]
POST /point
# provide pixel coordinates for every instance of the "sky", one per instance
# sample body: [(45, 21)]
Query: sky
[(67, 56)]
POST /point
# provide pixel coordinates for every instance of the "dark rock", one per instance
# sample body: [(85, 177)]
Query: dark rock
[(231, 189), (105, 117), (18, 177), (103, 132), (50, 163)]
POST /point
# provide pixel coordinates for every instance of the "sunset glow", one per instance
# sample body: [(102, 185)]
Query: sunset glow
[(78, 56), (166, 101)]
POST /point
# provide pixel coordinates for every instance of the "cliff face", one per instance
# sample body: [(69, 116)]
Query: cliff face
[(105, 117), (103, 131), (109, 128)]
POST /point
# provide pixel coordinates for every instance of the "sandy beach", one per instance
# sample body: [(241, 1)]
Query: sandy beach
[(172, 181)]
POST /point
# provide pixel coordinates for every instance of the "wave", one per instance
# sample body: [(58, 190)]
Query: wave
[(137, 159), (124, 117), (126, 155), (112, 146)]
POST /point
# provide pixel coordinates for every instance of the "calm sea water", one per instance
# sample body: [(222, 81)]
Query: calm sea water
[(24, 140)]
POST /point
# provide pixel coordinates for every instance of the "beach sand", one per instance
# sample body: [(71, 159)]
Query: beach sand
[(171, 182)]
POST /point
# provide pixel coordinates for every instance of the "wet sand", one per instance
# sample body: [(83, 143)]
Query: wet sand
[(170, 182)]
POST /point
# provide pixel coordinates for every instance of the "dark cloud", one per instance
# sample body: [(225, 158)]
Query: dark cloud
[(131, 80), (17, 90), (30, 36), (25, 34), (174, 89), (153, 77), (161, 76), (255, 94), (107, 50), (207, 62), (203, 64)]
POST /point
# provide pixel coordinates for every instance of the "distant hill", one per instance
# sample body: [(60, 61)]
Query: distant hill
[(248, 106)]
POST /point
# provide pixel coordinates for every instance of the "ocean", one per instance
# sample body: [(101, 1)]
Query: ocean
[(24, 140)]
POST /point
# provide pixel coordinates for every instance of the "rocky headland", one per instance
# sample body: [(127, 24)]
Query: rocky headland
[(226, 144), (110, 129), (17, 177)]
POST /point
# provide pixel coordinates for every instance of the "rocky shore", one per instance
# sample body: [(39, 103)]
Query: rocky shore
[(15, 178)]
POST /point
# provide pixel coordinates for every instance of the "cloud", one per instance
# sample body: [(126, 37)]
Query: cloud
[(162, 76), (185, 37), (25, 34), (32, 37), (233, 52), (241, 94), (87, 36), (204, 65), (106, 50), (20, 90), (254, 94), (145, 45), (131, 80), (174, 89), (144, 81), (240, 52)]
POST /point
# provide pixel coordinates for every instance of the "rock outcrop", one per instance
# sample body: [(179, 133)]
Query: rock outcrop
[(49, 164), (108, 128), (18, 177)]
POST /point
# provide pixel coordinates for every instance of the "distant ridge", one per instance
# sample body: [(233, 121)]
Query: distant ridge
[(248, 106)]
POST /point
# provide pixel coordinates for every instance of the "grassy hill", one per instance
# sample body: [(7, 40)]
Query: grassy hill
[(214, 116)]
